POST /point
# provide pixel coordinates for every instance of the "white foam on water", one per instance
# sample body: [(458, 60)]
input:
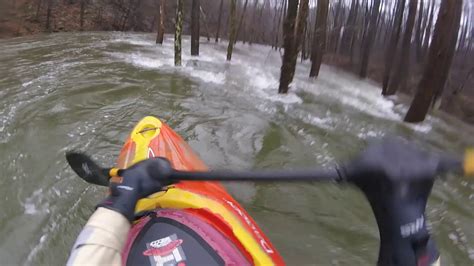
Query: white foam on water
[(133, 41), (206, 76), (31, 206), (370, 134), (26, 84), (257, 72)]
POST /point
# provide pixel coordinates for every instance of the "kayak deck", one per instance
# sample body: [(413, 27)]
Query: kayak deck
[(207, 201)]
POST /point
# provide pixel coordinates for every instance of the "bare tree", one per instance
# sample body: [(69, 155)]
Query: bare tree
[(319, 37), (177, 33), (195, 21), (288, 43), (401, 72), (206, 24), (418, 33), (427, 37), (48, 15), (369, 39), (219, 20), (38, 9), (440, 57), (241, 20), (299, 30), (233, 29), (349, 28), (161, 27), (252, 21), (392, 45), (81, 19)]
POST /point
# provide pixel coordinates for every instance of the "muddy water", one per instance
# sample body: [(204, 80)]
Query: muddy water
[(86, 91)]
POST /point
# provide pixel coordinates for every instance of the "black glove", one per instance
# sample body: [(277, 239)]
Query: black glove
[(396, 177), (135, 183)]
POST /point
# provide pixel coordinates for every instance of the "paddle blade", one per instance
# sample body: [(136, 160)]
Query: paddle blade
[(87, 169)]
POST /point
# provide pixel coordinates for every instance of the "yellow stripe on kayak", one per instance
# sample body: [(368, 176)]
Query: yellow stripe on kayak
[(145, 131), (181, 199)]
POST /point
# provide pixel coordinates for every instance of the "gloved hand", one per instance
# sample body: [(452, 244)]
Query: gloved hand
[(137, 182), (397, 177)]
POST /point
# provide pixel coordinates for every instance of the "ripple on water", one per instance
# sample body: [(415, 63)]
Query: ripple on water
[(86, 91)]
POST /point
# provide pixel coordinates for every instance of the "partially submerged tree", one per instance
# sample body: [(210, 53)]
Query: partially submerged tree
[(219, 20), (242, 16), (233, 29), (81, 16), (288, 44), (319, 37), (299, 30), (177, 33), (401, 73), (440, 57), (369, 39), (392, 45), (161, 26), (348, 34), (48, 15), (195, 21)]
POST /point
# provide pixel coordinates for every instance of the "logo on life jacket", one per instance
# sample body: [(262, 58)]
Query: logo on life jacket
[(166, 251)]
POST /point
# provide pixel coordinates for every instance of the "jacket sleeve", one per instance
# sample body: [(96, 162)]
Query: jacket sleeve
[(102, 239)]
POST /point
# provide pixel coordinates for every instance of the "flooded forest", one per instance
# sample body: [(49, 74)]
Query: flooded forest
[(248, 84)]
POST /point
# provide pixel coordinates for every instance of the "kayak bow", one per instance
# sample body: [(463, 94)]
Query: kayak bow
[(200, 202)]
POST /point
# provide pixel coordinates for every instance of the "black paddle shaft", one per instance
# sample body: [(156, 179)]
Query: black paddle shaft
[(309, 175)]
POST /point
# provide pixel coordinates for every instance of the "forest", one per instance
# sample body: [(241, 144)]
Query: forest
[(421, 50)]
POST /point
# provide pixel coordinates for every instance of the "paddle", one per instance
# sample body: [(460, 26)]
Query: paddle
[(87, 169), (395, 176), (91, 172)]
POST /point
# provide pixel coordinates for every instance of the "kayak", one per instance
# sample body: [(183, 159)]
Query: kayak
[(190, 222)]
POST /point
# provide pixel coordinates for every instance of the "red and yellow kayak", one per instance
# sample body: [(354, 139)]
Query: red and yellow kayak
[(205, 208)]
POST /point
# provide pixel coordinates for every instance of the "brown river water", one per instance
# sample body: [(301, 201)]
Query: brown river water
[(87, 90)]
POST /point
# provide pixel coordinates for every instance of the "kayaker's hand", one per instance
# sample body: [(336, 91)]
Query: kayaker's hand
[(136, 182), (395, 160)]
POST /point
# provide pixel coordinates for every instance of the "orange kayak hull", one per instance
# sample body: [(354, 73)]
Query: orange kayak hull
[(209, 201)]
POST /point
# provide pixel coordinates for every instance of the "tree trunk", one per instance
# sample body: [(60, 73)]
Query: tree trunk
[(219, 20), (299, 30), (260, 20), (38, 9), (206, 24), (336, 31), (440, 57), (177, 33), (370, 36), (81, 20), (127, 15), (280, 17), (233, 29), (418, 34), (303, 43), (400, 75), (288, 43), (319, 37), (161, 27), (348, 33), (241, 20), (48, 15), (392, 45), (195, 21), (252, 21), (427, 37)]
